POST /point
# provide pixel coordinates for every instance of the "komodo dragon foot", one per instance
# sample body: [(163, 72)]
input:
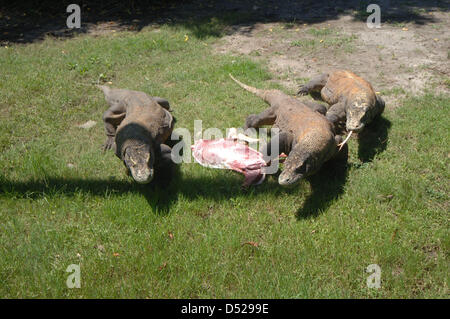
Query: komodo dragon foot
[(303, 90)]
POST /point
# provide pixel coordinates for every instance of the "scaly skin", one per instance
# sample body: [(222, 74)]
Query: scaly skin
[(136, 126), (351, 98), (306, 136)]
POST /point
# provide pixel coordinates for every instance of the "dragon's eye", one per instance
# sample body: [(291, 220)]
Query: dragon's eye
[(362, 107)]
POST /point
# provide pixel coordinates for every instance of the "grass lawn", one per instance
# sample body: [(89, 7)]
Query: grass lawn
[(203, 237)]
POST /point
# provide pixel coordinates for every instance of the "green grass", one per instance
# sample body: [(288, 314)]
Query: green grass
[(320, 32), (325, 38), (314, 240), (395, 91)]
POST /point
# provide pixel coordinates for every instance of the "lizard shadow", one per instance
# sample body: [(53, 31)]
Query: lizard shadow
[(161, 194), (373, 140), (169, 185), (219, 187), (327, 185)]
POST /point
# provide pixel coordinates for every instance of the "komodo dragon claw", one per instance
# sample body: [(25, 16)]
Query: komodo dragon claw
[(303, 90), (109, 144)]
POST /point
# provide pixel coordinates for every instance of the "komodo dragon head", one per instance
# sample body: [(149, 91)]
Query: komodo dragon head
[(306, 158), (361, 113), (139, 161), (357, 116), (135, 149)]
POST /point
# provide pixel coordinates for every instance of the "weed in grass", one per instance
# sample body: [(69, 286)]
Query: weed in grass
[(338, 43), (320, 32)]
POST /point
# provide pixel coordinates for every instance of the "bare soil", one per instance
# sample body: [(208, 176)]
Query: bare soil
[(409, 54), (397, 59)]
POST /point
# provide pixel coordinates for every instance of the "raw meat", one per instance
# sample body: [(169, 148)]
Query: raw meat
[(231, 154)]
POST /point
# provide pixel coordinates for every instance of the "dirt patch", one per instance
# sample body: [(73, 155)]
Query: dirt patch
[(297, 39), (397, 59), (106, 27)]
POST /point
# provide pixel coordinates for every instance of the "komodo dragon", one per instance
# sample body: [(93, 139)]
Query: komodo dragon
[(350, 97), (305, 135), (136, 126)]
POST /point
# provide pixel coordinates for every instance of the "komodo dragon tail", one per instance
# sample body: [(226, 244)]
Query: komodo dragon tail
[(251, 89)]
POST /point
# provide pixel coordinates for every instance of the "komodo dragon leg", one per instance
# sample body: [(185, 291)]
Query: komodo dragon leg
[(112, 119), (380, 104), (315, 106), (284, 146), (315, 85), (266, 117), (164, 166), (335, 114), (166, 153), (163, 102)]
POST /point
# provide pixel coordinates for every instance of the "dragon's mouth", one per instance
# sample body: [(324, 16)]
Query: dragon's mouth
[(137, 162), (140, 176), (289, 180), (356, 128)]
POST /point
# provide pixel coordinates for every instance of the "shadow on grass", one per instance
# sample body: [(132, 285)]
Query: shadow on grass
[(327, 186), (165, 190), (159, 195), (373, 140), (29, 20)]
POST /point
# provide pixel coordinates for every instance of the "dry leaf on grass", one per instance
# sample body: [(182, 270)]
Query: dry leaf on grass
[(251, 243), (164, 265), (89, 124)]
